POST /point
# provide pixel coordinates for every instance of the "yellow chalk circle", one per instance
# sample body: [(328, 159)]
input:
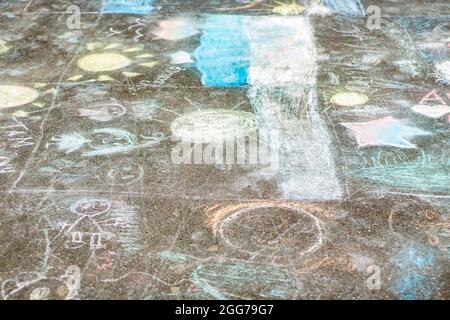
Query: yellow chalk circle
[(14, 96), (103, 62), (349, 99)]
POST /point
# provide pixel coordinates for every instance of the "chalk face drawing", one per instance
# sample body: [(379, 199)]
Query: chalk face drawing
[(128, 6), (103, 112), (122, 174), (385, 132), (223, 55), (278, 226), (208, 126), (14, 96)]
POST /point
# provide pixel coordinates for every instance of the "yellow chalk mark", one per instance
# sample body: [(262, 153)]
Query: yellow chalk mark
[(131, 74), (149, 64), (20, 114), (3, 47), (93, 45), (135, 49), (14, 96), (144, 56), (113, 46), (287, 8), (75, 78), (105, 78), (103, 62), (349, 99)]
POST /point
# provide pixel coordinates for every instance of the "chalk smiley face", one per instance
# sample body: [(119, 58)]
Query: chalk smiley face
[(103, 112), (91, 207)]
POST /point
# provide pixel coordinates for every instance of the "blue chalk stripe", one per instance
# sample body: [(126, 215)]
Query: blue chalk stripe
[(128, 6), (352, 8), (223, 55)]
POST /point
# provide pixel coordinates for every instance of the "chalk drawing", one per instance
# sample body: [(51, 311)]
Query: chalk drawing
[(3, 47), (38, 286), (386, 131), (349, 99), (123, 173), (291, 7), (415, 264), (103, 62), (434, 112), (207, 126), (282, 91), (102, 223), (411, 61), (15, 134), (181, 57), (289, 224), (5, 166), (128, 6), (175, 29), (104, 141), (70, 142), (429, 172), (223, 55), (243, 280), (110, 59), (352, 8), (14, 96), (103, 112), (164, 76), (443, 71)]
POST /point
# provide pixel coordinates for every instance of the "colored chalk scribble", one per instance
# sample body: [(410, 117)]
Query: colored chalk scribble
[(427, 173), (244, 280), (223, 55), (387, 131), (128, 6), (416, 282), (346, 7)]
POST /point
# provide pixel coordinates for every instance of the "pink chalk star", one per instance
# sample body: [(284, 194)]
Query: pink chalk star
[(387, 131)]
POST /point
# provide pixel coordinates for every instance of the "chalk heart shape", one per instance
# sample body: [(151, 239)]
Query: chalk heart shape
[(434, 112)]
